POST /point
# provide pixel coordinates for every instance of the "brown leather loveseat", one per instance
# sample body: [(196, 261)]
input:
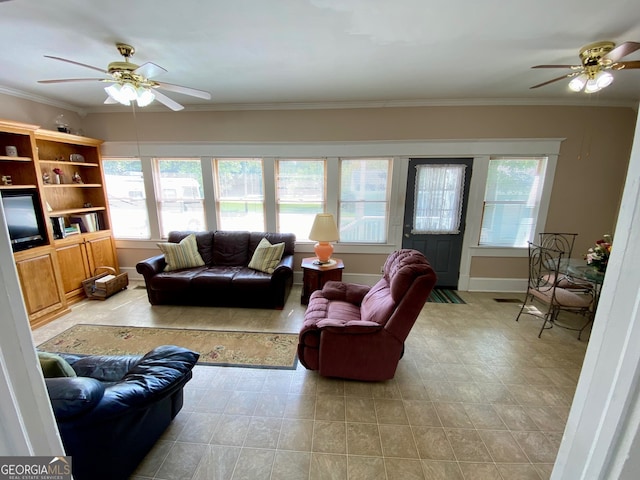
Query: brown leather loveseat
[(225, 279)]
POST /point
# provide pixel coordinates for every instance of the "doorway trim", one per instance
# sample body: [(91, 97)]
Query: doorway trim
[(481, 151)]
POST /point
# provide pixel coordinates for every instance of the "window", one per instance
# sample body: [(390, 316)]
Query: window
[(511, 201), (300, 195), (240, 197), (179, 194), (438, 199), (127, 199), (364, 193)]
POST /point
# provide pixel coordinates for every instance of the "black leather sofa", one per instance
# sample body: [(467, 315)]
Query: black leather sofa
[(225, 279), (114, 411)]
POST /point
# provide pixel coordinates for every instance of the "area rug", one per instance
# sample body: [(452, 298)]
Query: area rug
[(443, 295), (230, 349)]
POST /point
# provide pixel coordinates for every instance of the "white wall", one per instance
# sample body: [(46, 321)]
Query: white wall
[(28, 424), (605, 416)]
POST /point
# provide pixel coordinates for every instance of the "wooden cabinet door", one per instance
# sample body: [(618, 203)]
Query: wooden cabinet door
[(40, 287), (101, 253), (74, 268)]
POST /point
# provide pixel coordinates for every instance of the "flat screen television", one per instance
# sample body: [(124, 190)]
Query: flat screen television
[(24, 218)]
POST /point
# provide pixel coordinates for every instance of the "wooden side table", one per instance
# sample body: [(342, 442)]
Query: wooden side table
[(315, 276)]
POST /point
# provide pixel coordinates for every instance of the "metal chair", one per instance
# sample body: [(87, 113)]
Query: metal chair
[(563, 242), (544, 265)]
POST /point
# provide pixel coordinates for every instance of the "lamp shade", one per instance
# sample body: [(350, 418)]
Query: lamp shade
[(324, 229)]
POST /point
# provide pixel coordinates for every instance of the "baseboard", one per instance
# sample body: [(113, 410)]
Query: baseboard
[(131, 273), (515, 285)]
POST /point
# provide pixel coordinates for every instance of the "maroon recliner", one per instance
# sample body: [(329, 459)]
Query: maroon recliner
[(357, 332)]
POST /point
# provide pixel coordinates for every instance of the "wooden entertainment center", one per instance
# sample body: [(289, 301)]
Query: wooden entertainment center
[(52, 270)]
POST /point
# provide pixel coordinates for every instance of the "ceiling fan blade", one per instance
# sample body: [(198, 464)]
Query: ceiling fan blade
[(67, 80), (78, 63), (557, 66), (551, 81), (149, 70), (162, 98), (110, 101), (626, 65), (185, 90), (622, 50)]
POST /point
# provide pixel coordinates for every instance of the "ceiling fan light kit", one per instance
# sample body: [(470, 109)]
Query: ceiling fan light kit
[(130, 82), (145, 96), (600, 80), (125, 93), (578, 83), (596, 60)]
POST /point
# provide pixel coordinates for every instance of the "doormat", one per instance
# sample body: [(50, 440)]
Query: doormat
[(444, 295), (221, 348)]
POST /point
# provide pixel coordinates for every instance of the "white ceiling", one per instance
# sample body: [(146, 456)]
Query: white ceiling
[(317, 52)]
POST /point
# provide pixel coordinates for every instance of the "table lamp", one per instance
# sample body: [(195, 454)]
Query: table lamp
[(323, 231)]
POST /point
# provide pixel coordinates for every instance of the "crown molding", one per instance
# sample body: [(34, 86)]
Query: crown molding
[(583, 101), (382, 104), (43, 100)]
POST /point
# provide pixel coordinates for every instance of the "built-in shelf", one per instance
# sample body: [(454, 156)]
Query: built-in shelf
[(4, 158), (51, 274), (10, 187), (79, 164), (72, 185), (69, 211)]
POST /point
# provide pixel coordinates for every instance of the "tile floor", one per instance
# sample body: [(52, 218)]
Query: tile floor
[(476, 396)]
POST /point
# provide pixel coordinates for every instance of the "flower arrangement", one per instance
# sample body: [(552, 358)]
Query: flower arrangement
[(598, 256), (58, 175)]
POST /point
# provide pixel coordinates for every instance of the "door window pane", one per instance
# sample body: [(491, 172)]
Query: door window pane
[(127, 199), (364, 187), (438, 199), (511, 201), (179, 195), (240, 194), (300, 195)]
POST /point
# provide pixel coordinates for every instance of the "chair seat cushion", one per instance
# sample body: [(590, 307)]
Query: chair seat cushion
[(321, 308), (175, 280), (565, 281), (564, 298)]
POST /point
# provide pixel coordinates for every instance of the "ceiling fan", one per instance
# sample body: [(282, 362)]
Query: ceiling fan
[(130, 82), (596, 59)]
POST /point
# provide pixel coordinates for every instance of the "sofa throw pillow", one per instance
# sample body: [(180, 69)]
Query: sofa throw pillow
[(267, 256), (55, 366), (181, 255)]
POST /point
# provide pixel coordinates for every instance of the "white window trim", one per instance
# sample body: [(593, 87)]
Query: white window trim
[(478, 149), (470, 247)]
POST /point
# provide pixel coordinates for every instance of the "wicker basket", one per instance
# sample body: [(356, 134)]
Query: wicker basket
[(108, 288)]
